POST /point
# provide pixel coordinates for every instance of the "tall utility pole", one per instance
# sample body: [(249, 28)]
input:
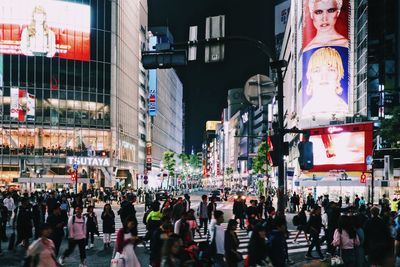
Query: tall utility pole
[(281, 133)]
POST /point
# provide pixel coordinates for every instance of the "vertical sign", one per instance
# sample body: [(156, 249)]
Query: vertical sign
[(325, 80), (152, 83)]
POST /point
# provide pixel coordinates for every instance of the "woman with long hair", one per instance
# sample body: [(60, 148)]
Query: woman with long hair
[(346, 239), (108, 218), (91, 226), (125, 243), (231, 244)]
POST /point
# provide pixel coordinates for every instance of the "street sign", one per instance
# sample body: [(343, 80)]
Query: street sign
[(369, 159), (75, 166)]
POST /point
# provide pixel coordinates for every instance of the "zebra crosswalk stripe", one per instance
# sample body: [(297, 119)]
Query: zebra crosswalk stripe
[(300, 247)]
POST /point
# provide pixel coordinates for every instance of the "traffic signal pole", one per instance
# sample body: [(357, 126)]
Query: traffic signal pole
[(281, 168), (76, 181)]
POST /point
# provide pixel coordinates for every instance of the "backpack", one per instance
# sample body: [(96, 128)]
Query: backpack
[(145, 216), (296, 220)]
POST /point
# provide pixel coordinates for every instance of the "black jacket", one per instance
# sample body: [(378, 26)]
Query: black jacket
[(108, 222), (57, 224)]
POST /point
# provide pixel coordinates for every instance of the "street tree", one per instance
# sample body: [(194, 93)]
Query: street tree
[(260, 163), (169, 163)]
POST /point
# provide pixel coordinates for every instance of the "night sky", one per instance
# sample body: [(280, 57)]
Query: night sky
[(206, 85)]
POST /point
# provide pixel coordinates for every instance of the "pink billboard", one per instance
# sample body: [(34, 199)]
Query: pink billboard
[(45, 28)]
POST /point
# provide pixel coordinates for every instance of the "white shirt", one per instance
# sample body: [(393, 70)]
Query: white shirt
[(9, 203), (220, 237), (177, 226)]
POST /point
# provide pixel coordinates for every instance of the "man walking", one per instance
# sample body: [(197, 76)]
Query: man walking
[(9, 204), (202, 213)]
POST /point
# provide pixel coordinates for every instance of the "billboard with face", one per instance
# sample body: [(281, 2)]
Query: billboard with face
[(325, 46), (45, 28)]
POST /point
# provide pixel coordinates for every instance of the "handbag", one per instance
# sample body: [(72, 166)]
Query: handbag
[(338, 260), (118, 260)]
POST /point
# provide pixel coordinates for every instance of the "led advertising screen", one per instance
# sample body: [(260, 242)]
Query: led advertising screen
[(22, 105), (325, 80), (45, 28), (343, 147)]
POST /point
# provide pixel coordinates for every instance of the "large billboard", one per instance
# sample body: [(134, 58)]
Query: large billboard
[(341, 147), (325, 80), (22, 105), (45, 28)]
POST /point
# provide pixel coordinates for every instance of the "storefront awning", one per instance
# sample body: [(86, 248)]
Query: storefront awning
[(48, 180)]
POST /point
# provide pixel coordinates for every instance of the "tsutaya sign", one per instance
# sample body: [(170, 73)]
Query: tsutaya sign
[(89, 161)]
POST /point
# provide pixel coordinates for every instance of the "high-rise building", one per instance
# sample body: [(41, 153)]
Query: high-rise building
[(378, 57), (166, 114), (71, 98)]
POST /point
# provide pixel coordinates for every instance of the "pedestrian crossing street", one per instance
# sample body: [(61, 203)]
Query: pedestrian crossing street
[(301, 246)]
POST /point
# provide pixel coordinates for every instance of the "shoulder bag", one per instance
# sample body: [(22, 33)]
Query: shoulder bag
[(337, 260)]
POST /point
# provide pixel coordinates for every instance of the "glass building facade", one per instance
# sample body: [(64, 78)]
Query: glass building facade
[(54, 107)]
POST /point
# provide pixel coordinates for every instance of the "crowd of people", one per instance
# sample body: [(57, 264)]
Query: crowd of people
[(358, 233)]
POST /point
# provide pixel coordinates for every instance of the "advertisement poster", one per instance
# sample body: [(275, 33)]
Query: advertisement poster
[(325, 46), (45, 28), (339, 149), (22, 105)]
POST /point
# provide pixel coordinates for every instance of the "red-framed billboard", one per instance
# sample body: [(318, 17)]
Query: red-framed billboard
[(47, 28), (341, 147)]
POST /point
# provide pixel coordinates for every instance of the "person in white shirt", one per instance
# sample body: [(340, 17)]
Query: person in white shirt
[(10, 205), (217, 232)]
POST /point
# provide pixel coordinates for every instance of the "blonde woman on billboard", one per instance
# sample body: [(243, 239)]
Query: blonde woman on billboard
[(324, 73), (324, 15), (38, 39)]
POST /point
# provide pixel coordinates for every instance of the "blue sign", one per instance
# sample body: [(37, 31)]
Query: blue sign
[(369, 160), (75, 166)]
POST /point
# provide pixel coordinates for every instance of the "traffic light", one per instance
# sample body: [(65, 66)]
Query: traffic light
[(273, 154), (73, 176), (145, 179), (164, 59), (363, 178), (148, 166), (103, 154), (306, 158)]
